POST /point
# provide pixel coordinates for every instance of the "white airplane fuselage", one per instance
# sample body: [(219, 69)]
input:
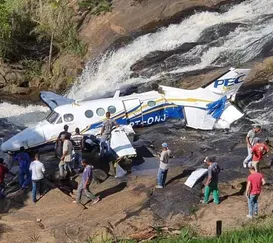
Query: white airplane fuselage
[(137, 109)]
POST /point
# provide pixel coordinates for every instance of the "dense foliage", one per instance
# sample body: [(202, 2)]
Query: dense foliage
[(48, 24)]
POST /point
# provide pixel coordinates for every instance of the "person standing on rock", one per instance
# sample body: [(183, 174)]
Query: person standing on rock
[(65, 163), (249, 141), (37, 168), (84, 185), (258, 151), (163, 166), (211, 185), (59, 141), (24, 162), (106, 130), (3, 171), (77, 141), (253, 189)]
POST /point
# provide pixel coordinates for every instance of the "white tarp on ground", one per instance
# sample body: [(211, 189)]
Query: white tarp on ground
[(195, 176), (120, 143)]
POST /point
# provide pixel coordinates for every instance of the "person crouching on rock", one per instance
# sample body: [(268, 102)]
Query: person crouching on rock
[(258, 150), (253, 189), (86, 180), (163, 166), (211, 185)]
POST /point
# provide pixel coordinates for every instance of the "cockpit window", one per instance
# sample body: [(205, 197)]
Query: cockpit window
[(52, 117), (68, 118)]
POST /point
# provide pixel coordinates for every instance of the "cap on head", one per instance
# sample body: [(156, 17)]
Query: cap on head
[(66, 127), (256, 140), (22, 149), (164, 145), (209, 159), (257, 128)]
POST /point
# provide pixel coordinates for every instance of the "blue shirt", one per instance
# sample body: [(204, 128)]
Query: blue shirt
[(24, 160), (87, 174)]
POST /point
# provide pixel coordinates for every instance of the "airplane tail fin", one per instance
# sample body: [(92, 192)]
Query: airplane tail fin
[(53, 100), (229, 83)]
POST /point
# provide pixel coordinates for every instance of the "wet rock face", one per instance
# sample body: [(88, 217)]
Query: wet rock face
[(158, 56), (173, 200)]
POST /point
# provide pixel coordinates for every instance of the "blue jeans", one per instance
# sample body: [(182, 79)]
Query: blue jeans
[(24, 178), (253, 204), (2, 190), (37, 184), (77, 159), (65, 167), (161, 177), (249, 155), (104, 146)]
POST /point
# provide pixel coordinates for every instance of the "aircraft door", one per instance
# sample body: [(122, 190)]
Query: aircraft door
[(133, 111)]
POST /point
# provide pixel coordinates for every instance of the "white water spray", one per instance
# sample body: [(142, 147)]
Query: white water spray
[(113, 70)]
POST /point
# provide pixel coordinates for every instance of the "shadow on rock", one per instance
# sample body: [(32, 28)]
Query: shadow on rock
[(112, 190)]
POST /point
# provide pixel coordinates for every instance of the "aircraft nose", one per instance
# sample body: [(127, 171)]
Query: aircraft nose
[(10, 145), (4, 147)]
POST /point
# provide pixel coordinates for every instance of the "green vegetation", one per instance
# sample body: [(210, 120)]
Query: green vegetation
[(257, 231), (34, 31), (248, 235)]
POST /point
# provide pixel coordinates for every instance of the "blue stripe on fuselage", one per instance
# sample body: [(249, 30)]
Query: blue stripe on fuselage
[(148, 117)]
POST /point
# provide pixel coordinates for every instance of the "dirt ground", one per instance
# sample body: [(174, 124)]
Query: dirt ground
[(123, 212)]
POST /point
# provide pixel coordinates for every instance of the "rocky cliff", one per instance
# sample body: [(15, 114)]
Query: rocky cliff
[(128, 19)]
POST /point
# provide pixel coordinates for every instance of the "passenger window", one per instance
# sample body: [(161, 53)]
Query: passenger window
[(59, 121), (151, 103), (89, 113), (112, 109), (100, 111), (68, 118)]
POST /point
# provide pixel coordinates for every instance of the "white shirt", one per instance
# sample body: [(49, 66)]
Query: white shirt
[(37, 169)]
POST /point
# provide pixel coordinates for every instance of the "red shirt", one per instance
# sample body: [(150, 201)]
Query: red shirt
[(255, 180), (3, 171), (258, 151)]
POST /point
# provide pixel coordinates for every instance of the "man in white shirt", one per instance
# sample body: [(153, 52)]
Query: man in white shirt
[(38, 170), (163, 166)]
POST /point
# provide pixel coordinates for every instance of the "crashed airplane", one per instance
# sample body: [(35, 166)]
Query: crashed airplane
[(203, 108)]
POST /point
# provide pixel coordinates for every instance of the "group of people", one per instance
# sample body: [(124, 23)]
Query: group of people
[(69, 149), (256, 150)]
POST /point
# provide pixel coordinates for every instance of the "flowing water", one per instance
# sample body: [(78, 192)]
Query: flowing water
[(234, 37)]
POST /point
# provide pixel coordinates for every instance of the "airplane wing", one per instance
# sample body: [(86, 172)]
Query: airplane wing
[(120, 141), (53, 100)]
